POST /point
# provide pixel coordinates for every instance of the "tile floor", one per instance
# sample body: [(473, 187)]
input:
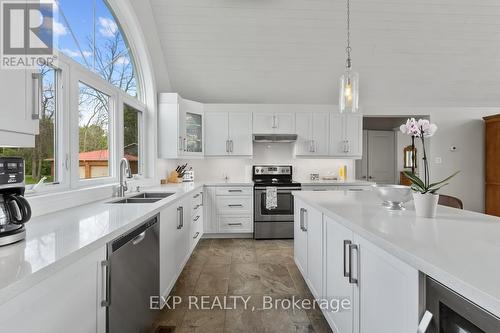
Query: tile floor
[(248, 268)]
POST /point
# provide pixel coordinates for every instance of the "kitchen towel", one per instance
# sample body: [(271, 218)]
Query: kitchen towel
[(271, 197)]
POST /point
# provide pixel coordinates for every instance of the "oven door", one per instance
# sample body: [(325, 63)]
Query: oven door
[(453, 313), (284, 210)]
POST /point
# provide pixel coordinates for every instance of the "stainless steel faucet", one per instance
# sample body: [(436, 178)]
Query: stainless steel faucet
[(125, 171)]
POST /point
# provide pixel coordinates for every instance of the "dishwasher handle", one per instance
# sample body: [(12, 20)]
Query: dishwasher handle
[(135, 236)]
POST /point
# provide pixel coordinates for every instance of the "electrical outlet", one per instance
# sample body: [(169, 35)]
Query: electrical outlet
[(438, 160)]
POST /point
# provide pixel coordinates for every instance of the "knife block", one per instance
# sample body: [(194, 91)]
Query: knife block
[(174, 177)]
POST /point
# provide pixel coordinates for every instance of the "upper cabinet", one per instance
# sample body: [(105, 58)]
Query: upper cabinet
[(228, 134), (180, 127), (346, 135), (312, 134), (274, 123), (20, 93)]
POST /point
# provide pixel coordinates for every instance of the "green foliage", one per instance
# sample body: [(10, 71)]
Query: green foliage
[(419, 186)]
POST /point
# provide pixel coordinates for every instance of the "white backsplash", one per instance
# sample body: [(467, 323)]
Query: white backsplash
[(238, 169)]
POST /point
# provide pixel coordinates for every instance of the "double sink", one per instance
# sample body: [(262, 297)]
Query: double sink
[(145, 197)]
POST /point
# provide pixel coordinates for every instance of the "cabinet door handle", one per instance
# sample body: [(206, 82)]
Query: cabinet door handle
[(201, 193), (348, 146), (346, 271), (37, 95), (105, 283), (235, 205), (424, 322), (231, 146), (179, 218), (304, 216), (227, 146), (274, 121), (185, 144), (180, 143), (301, 219), (353, 247), (196, 196), (235, 224), (196, 218), (196, 235)]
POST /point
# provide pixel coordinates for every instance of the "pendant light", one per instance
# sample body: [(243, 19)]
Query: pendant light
[(349, 81)]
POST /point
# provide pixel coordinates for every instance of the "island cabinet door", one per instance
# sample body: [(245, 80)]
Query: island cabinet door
[(69, 300), (387, 290), (338, 287), (300, 236), (314, 228)]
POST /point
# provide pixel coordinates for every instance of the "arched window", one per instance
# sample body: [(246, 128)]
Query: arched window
[(88, 32)]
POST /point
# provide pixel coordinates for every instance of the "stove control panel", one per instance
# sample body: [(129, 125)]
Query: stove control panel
[(272, 170)]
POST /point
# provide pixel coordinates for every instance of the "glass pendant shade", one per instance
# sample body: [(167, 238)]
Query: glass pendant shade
[(349, 91)]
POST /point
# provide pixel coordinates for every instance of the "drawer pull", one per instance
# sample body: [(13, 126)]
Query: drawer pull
[(196, 207), (235, 191), (235, 205), (196, 235), (196, 196), (196, 218), (233, 224)]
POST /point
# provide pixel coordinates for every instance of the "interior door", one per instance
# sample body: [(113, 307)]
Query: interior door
[(304, 128), (240, 133), (216, 133), (382, 157), (320, 133), (337, 286)]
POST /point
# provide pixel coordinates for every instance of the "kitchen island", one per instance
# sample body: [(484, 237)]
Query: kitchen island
[(459, 249)]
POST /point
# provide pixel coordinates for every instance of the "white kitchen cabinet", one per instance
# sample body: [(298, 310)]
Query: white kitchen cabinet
[(312, 134), (196, 228), (337, 239), (69, 298), (300, 236), (273, 123), (314, 229), (346, 135), (387, 291), (180, 127), (339, 264), (228, 209), (228, 134), (175, 245), (20, 91)]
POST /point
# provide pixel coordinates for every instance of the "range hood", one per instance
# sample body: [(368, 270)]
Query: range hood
[(275, 137)]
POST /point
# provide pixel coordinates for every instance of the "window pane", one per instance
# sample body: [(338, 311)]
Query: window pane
[(93, 108), (88, 33), (41, 161), (131, 135)]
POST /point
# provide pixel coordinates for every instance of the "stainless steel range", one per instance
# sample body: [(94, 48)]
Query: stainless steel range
[(273, 221)]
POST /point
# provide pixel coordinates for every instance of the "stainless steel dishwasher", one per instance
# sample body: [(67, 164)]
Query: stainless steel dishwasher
[(132, 277)]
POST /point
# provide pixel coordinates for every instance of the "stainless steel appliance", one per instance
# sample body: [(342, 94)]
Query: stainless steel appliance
[(132, 277), (452, 313), (273, 222), (15, 210)]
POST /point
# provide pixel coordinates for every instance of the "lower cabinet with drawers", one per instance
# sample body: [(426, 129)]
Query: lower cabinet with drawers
[(228, 209)]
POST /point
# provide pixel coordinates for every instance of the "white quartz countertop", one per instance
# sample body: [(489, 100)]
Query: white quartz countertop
[(336, 182), (460, 249), (58, 239)]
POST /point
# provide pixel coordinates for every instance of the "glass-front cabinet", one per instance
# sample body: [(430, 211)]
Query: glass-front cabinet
[(194, 132)]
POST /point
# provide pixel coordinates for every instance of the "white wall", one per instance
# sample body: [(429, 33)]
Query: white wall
[(237, 169), (460, 127)]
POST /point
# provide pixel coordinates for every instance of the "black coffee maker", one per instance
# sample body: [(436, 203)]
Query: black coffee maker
[(15, 210)]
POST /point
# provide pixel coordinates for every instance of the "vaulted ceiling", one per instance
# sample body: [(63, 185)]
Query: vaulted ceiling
[(408, 53)]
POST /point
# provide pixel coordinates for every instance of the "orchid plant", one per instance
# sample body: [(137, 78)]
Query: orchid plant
[(422, 129)]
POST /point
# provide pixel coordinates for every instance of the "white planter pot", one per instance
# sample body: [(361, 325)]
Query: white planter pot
[(425, 204)]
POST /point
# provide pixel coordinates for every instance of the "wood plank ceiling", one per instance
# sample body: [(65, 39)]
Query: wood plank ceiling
[(408, 53)]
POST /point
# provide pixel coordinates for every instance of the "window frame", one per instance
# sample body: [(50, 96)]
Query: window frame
[(92, 80), (131, 101)]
